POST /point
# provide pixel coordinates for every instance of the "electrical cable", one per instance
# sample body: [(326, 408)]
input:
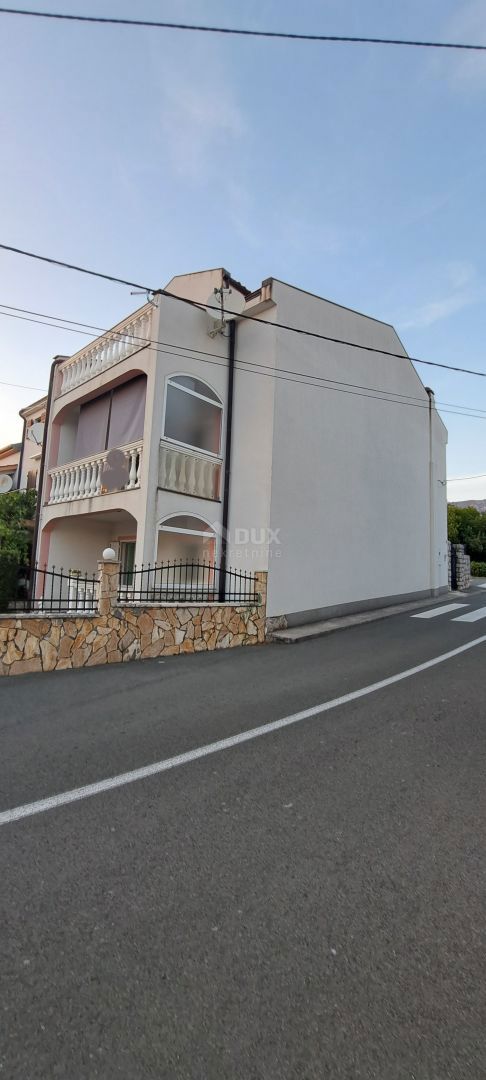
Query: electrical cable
[(244, 315), (240, 32), (302, 379), (478, 476), (202, 352)]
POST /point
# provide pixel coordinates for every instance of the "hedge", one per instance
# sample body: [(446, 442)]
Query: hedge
[(478, 569), (8, 581)]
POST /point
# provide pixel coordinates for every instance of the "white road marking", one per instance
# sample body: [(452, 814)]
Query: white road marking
[(472, 616), (438, 611), (29, 809), (482, 585)]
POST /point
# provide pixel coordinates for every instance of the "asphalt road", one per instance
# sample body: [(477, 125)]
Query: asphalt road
[(307, 904)]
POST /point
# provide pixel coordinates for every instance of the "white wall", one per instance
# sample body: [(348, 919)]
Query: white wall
[(350, 479), (183, 329), (439, 555), (76, 545), (252, 444)]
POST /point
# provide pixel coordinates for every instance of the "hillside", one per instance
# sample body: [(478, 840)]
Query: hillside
[(479, 504)]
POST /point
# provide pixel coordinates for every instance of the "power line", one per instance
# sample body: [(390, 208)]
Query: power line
[(454, 479), (69, 266), (21, 387), (170, 346), (243, 315), (240, 32), (331, 385)]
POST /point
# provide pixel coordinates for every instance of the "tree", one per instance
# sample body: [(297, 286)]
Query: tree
[(17, 508), (453, 523), (466, 525)]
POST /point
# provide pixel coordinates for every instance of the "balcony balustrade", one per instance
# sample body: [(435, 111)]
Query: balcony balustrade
[(84, 479), (108, 350), (190, 474)]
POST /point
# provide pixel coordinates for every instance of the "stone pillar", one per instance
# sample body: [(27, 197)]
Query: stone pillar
[(261, 586), (109, 578)]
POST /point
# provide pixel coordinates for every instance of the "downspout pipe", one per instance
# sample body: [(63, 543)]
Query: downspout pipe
[(57, 360), (21, 459), (227, 458)]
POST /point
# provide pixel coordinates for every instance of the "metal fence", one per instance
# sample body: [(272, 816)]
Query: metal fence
[(40, 589), (189, 582)]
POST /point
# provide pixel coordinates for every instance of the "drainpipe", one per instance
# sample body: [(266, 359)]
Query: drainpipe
[(227, 457), (21, 459), (57, 360), (432, 545)]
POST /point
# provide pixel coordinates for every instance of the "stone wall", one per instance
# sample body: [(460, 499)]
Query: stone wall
[(126, 632), (463, 566)]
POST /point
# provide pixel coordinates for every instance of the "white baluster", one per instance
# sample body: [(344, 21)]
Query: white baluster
[(59, 484), (139, 464), (99, 466), (68, 490), (165, 467), (75, 490), (144, 328), (207, 470), (83, 490), (54, 482), (93, 479), (181, 483), (132, 476), (192, 478), (62, 486), (172, 484)]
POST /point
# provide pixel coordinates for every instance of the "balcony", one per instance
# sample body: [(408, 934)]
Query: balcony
[(127, 338), (189, 473), (85, 479)]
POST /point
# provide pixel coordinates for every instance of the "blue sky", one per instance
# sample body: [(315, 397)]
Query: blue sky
[(357, 173)]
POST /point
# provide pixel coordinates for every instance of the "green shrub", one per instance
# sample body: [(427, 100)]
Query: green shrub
[(478, 569), (8, 581)]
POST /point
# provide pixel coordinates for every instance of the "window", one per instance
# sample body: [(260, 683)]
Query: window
[(111, 420), (186, 539), (193, 414), (127, 560)]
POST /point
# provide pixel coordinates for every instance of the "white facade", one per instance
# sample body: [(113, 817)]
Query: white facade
[(337, 492)]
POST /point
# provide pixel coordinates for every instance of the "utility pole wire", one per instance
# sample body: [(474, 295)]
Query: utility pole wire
[(249, 367), (339, 39), (247, 316)]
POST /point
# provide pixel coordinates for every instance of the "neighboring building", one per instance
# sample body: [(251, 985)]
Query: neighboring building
[(34, 417), (9, 466), (334, 487)]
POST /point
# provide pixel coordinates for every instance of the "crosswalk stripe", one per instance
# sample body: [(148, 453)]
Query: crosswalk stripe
[(438, 611), (472, 616)]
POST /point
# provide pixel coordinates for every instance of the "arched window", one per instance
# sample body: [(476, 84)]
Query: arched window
[(186, 537), (193, 414)]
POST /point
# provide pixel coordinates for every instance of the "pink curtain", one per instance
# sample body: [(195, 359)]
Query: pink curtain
[(127, 412), (92, 427)]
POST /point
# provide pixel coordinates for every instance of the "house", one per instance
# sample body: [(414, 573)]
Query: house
[(9, 466), (33, 417), (184, 435)]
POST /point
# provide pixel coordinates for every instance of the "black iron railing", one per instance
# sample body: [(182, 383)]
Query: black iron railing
[(40, 589), (187, 582)]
